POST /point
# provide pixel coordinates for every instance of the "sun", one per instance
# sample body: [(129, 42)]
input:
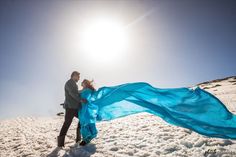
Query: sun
[(104, 40)]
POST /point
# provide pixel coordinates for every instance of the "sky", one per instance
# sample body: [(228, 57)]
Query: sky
[(170, 44)]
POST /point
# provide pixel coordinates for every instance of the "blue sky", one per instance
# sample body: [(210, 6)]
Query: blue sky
[(172, 44)]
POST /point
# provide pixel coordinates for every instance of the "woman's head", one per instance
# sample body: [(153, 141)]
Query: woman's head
[(87, 84)]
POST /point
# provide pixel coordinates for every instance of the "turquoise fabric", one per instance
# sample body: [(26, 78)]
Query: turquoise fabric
[(195, 109), (87, 117)]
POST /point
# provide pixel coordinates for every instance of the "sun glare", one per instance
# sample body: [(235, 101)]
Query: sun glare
[(104, 40)]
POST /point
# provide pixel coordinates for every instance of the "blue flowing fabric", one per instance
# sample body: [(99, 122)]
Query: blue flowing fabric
[(195, 109)]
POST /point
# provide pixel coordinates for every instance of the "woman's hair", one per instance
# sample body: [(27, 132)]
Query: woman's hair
[(89, 84)]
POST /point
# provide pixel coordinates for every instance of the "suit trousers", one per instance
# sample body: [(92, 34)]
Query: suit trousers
[(69, 115)]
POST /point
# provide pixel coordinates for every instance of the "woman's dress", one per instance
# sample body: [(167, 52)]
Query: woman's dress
[(195, 109)]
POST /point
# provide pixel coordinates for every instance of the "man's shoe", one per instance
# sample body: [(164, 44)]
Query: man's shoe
[(82, 143), (60, 141)]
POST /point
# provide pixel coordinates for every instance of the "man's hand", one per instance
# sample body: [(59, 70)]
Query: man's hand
[(83, 101)]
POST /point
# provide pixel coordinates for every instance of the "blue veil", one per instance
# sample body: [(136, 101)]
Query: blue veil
[(195, 109)]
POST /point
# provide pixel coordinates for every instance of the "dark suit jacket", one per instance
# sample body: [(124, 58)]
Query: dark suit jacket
[(72, 95)]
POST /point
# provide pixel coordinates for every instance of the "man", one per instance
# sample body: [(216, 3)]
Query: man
[(72, 105)]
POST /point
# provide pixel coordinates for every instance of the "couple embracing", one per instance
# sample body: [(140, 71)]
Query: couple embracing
[(76, 105)]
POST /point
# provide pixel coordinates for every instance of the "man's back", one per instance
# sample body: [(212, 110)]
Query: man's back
[(72, 96)]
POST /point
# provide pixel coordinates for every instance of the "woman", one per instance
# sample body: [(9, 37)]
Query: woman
[(195, 109), (87, 114)]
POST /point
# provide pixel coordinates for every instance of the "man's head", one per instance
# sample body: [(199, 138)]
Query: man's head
[(75, 76)]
